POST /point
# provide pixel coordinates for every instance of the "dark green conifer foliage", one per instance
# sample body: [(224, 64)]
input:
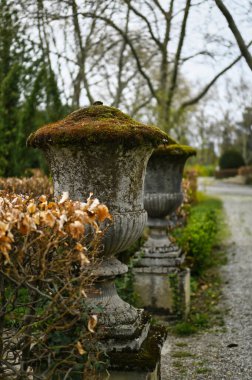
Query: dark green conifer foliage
[(42, 106), (29, 93), (10, 72)]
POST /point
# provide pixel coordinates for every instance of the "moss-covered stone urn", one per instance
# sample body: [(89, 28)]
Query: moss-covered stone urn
[(162, 189), (159, 256), (101, 150)]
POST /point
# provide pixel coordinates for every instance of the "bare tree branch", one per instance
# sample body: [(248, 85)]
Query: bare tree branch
[(81, 59), (121, 62), (236, 33), (210, 84), (129, 42), (162, 10), (178, 55), (145, 19)]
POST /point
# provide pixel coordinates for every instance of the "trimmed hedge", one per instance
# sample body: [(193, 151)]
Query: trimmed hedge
[(226, 173), (200, 234), (231, 159)]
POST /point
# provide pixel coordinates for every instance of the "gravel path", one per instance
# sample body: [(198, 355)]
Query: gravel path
[(223, 353)]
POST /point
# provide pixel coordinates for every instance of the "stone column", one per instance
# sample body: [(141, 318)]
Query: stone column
[(159, 270), (99, 149)]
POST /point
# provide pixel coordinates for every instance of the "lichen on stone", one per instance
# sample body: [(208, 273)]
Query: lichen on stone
[(98, 123)]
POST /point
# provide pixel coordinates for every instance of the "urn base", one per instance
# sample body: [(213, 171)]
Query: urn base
[(158, 254), (160, 280), (143, 363), (120, 326), (165, 295), (125, 333)]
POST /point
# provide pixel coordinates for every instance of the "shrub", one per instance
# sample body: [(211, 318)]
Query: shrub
[(45, 272), (35, 185), (189, 188), (245, 170), (231, 159), (203, 170), (190, 185), (198, 237)]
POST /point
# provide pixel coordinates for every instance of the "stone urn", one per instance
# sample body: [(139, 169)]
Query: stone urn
[(160, 258), (101, 150)]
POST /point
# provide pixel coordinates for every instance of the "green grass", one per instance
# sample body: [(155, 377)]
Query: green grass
[(182, 354), (181, 344), (203, 370), (201, 233), (203, 170), (184, 328)]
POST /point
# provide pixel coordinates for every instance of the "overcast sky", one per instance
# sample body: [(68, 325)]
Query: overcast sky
[(202, 70), (208, 30)]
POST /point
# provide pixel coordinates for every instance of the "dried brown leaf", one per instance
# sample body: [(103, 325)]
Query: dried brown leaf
[(92, 322)]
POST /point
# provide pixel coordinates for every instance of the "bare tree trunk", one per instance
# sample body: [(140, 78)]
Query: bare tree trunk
[(174, 76), (81, 58), (164, 68), (121, 63)]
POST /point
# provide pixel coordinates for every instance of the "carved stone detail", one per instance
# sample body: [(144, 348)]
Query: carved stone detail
[(160, 205)]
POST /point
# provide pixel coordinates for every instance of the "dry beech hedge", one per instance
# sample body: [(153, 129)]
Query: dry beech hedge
[(48, 249)]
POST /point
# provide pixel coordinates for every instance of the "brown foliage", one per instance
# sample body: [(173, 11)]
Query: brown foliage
[(48, 249), (35, 185), (245, 170), (226, 173), (189, 187)]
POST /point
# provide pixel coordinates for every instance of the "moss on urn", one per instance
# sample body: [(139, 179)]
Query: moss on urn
[(98, 123), (175, 150)]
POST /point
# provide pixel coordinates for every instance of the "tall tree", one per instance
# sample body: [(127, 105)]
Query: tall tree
[(11, 58), (29, 91)]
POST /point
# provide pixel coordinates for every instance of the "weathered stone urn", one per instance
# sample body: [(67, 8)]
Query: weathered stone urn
[(158, 270), (101, 150)]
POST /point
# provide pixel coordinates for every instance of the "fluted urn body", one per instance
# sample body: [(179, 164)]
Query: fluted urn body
[(99, 149)]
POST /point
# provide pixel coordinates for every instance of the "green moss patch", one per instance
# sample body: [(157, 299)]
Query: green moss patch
[(175, 150), (98, 123)]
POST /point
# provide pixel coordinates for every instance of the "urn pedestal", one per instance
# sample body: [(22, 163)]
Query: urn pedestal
[(158, 269), (99, 149)]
